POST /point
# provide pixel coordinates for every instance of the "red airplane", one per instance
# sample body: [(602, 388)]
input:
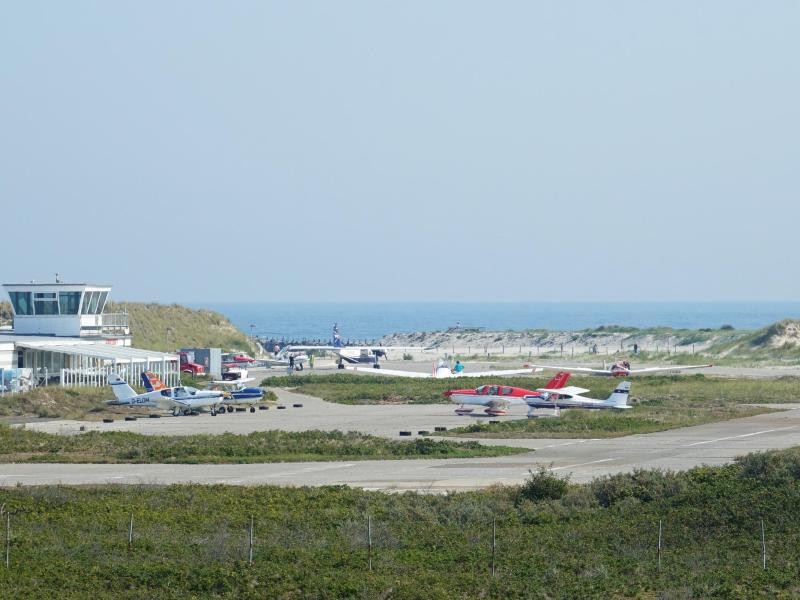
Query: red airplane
[(497, 398)]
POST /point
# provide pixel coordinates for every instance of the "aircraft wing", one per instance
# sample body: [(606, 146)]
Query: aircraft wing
[(661, 369), (493, 373), (232, 381), (393, 372), (569, 390), (575, 369)]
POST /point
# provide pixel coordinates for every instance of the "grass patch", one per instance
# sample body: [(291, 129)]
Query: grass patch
[(554, 540), (21, 445)]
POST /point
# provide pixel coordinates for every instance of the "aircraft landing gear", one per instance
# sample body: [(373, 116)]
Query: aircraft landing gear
[(187, 412), (340, 365), (252, 409), (376, 366), (231, 409)]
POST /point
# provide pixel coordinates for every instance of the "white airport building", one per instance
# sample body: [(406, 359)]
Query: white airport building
[(61, 335)]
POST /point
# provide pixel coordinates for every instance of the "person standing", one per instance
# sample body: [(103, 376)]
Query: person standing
[(291, 364)]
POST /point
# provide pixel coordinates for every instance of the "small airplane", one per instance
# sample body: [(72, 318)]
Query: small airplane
[(622, 368), (442, 370), (344, 354), (497, 398), (282, 360), (181, 400), (237, 393), (558, 398)]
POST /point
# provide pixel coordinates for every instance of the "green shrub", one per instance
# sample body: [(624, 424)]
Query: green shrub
[(543, 484)]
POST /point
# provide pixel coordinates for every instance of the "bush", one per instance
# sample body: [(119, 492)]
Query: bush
[(544, 485)]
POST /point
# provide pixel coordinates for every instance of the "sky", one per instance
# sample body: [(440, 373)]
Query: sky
[(190, 151)]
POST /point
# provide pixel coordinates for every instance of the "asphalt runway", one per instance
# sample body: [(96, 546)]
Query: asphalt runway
[(583, 460)]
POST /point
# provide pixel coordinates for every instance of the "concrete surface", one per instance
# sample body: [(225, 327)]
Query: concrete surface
[(711, 444)]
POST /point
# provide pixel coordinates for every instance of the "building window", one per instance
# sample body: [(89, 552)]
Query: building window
[(22, 303), (45, 303), (69, 302), (90, 300), (101, 305)]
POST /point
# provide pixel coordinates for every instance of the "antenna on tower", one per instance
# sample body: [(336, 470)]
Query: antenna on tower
[(57, 279)]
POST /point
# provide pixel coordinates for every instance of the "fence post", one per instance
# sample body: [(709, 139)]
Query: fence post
[(659, 545), (763, 547), (369, 541), (250, 555), (8, 540), (130, 533), (494, 542)]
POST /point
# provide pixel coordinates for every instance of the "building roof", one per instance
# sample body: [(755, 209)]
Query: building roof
[(105, 351)]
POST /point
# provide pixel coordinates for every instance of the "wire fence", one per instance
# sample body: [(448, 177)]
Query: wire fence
[(494, 546)]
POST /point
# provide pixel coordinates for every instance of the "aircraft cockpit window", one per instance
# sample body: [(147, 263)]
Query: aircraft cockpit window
[(167, 392), (507, 391), (493, 391), (179, 391), (481, 390)]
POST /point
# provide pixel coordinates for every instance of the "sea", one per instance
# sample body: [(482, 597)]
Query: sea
[(370, 321)]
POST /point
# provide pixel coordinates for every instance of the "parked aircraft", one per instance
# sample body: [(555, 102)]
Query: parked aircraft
[(622, 368), (497, 398), (181, 400), (237, 393), (558, 398), (282, 360), (441, 370)]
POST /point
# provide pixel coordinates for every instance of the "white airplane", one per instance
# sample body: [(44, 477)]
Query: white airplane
[(441, 370), (282, 360), (354, 355), (181, 400), (622, 368), (569, 397), (236, 392)]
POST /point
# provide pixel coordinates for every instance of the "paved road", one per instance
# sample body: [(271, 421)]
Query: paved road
[(711, 444)]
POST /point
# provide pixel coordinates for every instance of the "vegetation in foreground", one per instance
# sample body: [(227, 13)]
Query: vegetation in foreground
[(659, 402), (21, 445), (554, 539)]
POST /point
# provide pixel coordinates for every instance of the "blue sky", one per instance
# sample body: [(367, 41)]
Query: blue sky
[(449, 150)]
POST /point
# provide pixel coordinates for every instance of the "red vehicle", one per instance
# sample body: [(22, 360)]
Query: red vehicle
[(189, 366)]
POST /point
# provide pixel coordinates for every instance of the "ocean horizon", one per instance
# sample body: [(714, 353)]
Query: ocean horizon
[(372, 320)]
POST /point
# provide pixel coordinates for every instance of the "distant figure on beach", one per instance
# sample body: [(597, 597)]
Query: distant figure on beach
[(311, 360), (458, 324), (458, 367), (636, 348), (291, 363)]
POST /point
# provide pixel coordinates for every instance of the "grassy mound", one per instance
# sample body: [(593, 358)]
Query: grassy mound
[(167, 327)]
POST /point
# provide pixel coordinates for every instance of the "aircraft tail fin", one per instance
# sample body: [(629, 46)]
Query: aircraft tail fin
[(619, 397), (558, 381), (122, 391), (152, 382)]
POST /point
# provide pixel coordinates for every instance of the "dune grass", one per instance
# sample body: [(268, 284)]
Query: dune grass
[(21, 445)]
